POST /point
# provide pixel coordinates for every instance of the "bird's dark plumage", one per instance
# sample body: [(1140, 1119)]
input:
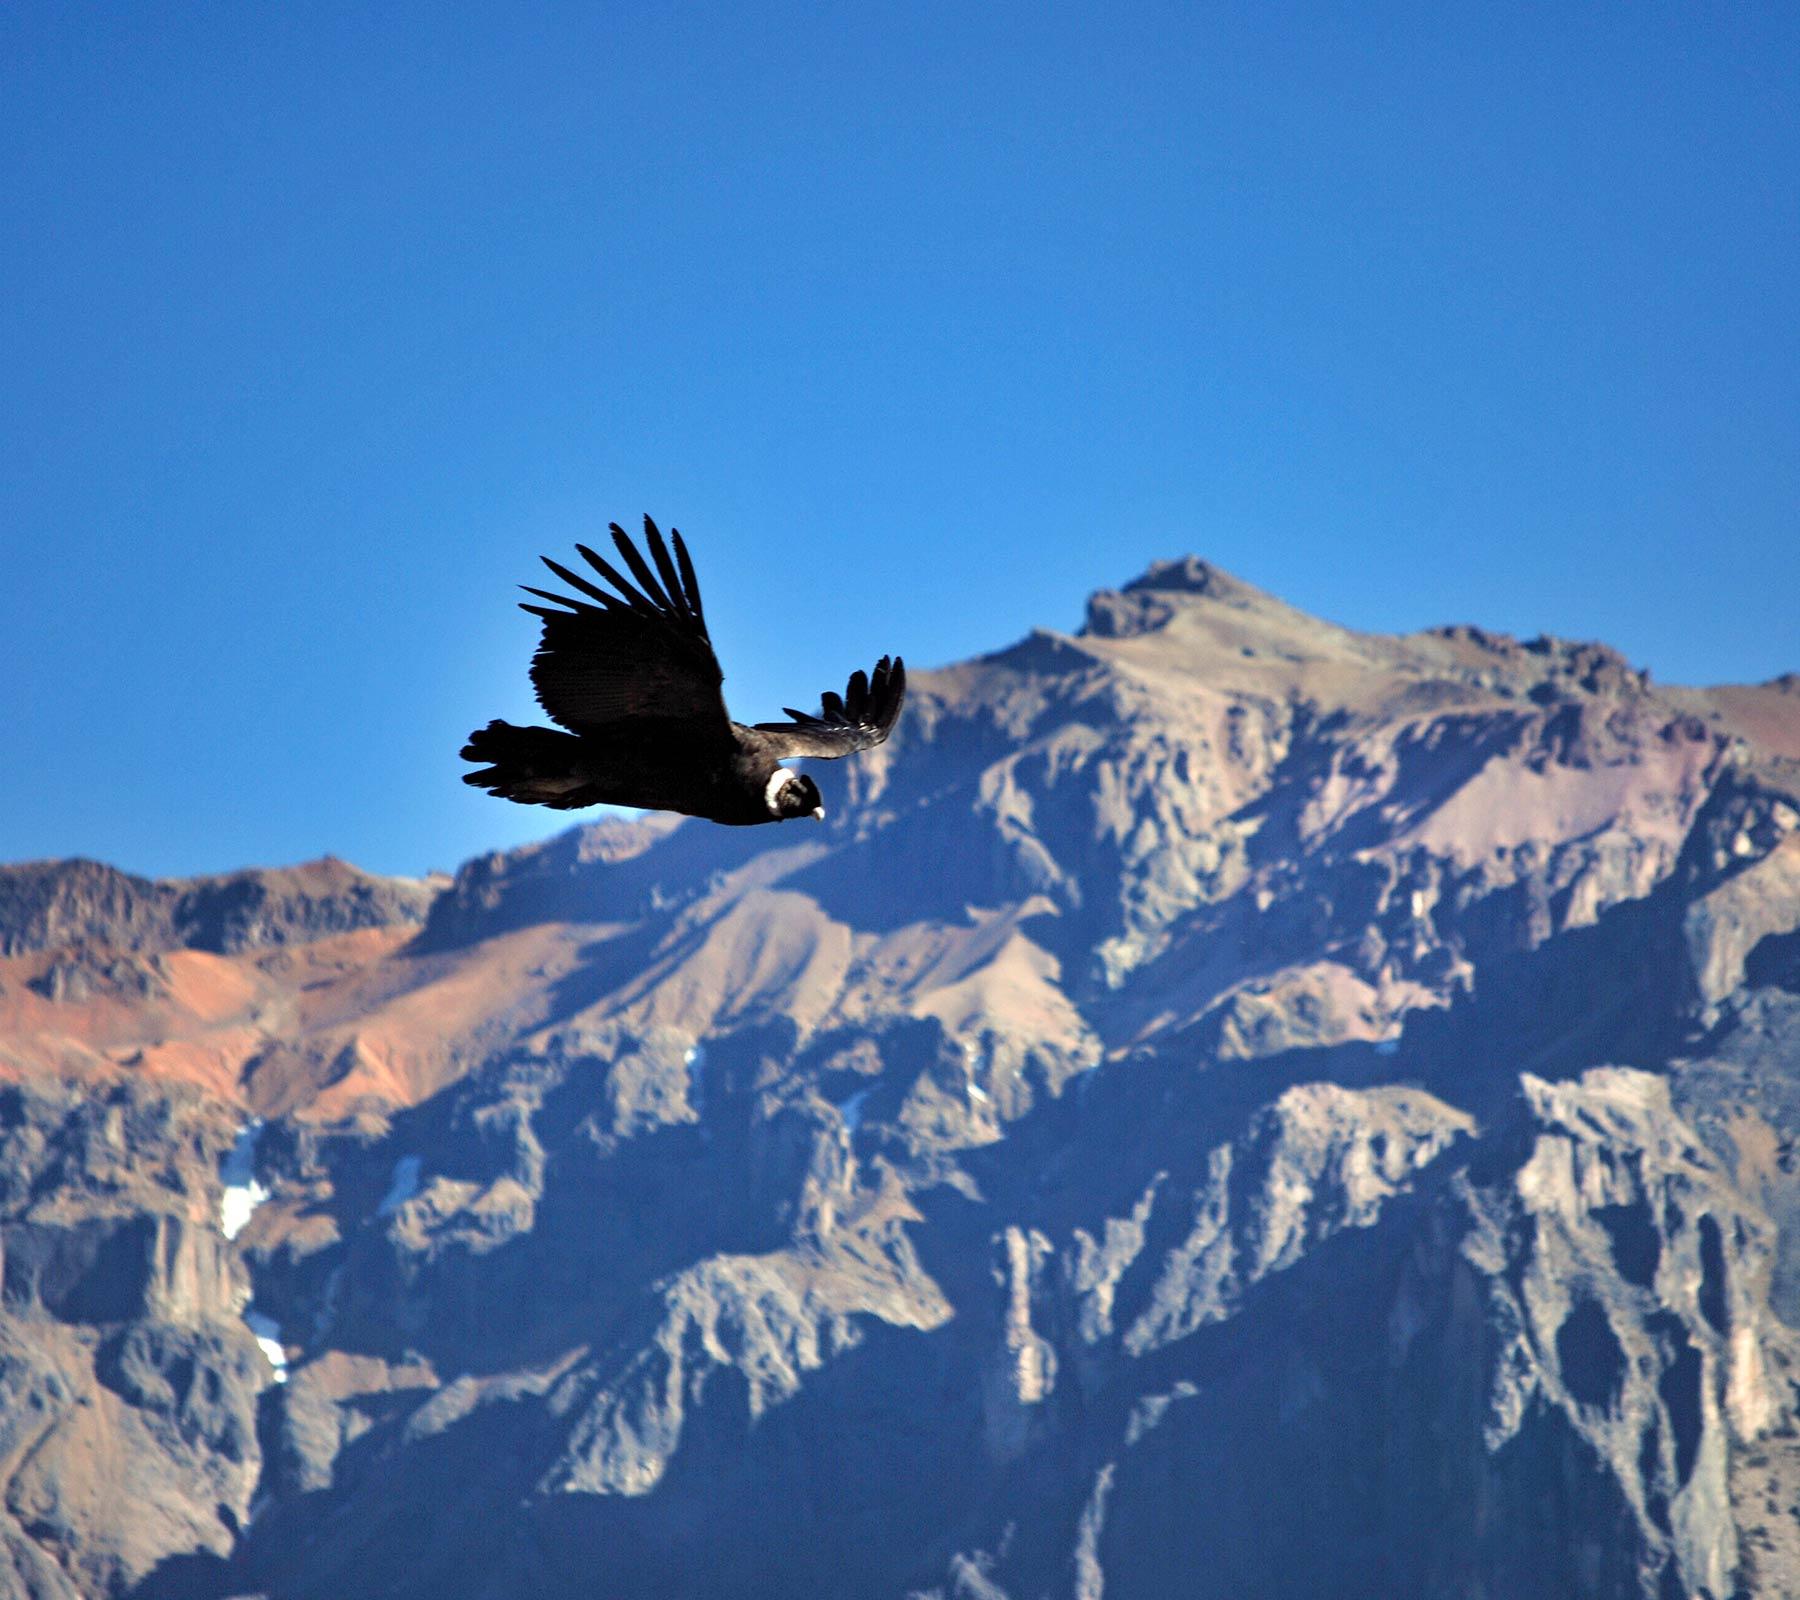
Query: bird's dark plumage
[(858, 718), (630, 673)]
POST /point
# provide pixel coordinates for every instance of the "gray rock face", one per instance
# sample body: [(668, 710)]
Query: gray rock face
[(128, 1381), (1618, 1283), (1318, 1159), (1228, 1105)]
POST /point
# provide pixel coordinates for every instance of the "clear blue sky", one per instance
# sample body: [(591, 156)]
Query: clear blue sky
[(318, 323)]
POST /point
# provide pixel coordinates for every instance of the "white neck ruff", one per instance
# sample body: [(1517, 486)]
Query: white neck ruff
[(779, 779)]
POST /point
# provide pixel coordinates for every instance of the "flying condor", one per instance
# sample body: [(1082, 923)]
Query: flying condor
[(632, 675)]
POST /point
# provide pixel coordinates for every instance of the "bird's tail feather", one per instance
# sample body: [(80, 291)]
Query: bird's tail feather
[(534, 766)]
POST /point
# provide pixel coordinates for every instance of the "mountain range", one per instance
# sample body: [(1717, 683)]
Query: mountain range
[(1226, 1104)]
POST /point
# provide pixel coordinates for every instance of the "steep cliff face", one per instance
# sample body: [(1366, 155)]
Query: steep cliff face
[(1617, 1284), (128, 1380), (1225, 1096)]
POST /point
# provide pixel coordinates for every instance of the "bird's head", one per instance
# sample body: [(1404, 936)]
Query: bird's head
[(793, 794)]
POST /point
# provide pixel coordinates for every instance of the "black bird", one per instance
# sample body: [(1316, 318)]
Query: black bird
[(633, 677)]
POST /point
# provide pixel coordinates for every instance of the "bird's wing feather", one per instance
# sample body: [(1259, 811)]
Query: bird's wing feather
[(638, 656), (863, 715)]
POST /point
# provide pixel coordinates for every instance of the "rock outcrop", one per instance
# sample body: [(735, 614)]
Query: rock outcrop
[(49, 905), (129, 1379)]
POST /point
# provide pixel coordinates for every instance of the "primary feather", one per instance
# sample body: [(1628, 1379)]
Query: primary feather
[(862, 716)]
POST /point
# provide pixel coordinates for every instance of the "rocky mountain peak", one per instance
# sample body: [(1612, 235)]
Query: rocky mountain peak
[(1149, 601)]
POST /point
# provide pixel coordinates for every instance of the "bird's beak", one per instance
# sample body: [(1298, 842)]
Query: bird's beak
[(819, 812)]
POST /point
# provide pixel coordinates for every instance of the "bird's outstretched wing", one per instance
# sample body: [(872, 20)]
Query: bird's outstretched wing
[(634, 657), (863, 715)]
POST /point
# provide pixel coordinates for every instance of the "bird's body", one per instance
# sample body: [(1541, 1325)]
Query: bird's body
[(635, 682), (658, 769)]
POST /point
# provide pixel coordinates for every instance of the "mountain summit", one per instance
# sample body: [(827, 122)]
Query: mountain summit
[(1223, 1094)]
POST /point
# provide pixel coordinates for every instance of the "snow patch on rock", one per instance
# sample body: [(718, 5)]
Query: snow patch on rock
[(242, 1193), (268, 1339), (851, 1109)]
